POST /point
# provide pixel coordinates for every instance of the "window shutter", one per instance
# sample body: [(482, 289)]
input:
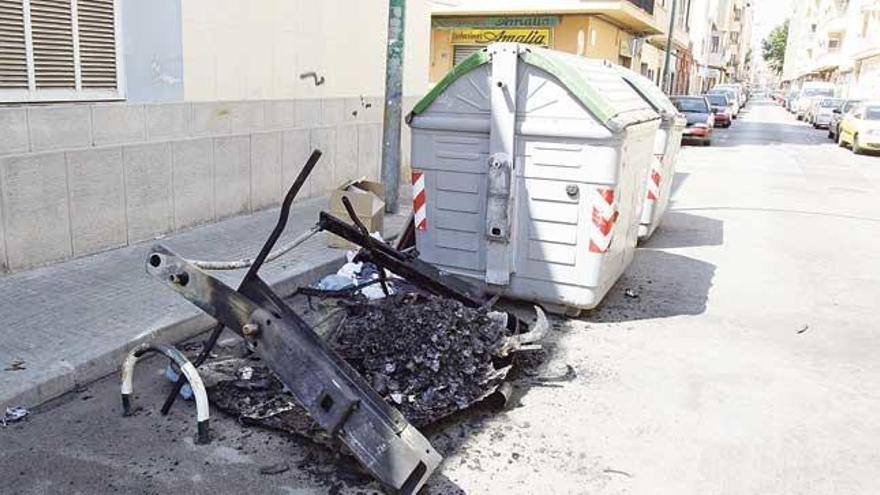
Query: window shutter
[(58, 50), (461, 52), (13, 51), (97, 44), (52, 35)]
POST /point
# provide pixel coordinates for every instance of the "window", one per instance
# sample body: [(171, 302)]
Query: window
[(716, 43), (646, 5), (57, 50), (461, 52), (870, 113), (681, 14), (691, 105), (717, 100)]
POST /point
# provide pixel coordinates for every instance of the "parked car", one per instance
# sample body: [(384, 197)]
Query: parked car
[(732, 97), (837, 115), (722, 108), (860, 128), (809, 104), (809, 90), (741, 93), (700, 119), (791, 100), (822, 110), (812, 108)]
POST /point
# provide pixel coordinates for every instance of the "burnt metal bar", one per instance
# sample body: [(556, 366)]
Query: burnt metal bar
[(419, 272), (254, 268), (372, 242), (332, 392)]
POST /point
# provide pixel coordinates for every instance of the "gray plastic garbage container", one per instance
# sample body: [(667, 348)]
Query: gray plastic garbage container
[(529, 173), (667, 144)]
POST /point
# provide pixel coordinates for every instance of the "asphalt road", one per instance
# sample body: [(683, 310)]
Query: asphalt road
[(747, 363)]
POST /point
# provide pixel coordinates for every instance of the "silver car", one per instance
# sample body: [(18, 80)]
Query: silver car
[(821, 111)]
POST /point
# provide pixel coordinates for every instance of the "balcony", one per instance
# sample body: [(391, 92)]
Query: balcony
[(716, 60), (680, 37)]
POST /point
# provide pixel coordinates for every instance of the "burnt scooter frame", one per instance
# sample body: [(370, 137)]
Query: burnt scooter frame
[(332, 392)]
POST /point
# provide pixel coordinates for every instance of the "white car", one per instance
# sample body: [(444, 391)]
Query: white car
[(822, 111), (731, 95), (737, 90), (804, 104), (808, 91)]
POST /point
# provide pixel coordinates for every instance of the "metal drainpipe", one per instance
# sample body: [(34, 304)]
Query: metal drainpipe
[(393, 110), (666, 81)]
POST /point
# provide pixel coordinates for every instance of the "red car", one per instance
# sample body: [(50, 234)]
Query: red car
[(700, 119), (722, 109)]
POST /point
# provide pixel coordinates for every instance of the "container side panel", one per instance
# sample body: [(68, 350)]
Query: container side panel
[(454, 167), (466, 96), (551, 222), (569, 160)]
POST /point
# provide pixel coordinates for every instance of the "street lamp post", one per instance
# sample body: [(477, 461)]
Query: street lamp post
[(666, 80), (393, 110)]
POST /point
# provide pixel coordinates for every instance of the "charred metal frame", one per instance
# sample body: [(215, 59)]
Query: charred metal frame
[(332, 392)]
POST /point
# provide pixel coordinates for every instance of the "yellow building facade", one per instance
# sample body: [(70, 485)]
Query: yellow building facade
[(454, 38), (626, 32)]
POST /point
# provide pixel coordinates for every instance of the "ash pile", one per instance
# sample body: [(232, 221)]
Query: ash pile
[(425, 355)]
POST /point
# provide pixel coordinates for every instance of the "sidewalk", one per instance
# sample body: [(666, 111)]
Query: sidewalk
[(73, 322)]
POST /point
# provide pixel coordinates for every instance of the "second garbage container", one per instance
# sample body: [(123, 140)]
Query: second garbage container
[(528, 174), (667, 144)]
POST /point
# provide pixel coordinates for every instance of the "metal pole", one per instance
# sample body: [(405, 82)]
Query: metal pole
[(393, 110), (666, 84)]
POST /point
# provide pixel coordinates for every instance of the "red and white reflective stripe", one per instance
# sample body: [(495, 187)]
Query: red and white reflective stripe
[(420, 209), (604, 217), (654, 183)]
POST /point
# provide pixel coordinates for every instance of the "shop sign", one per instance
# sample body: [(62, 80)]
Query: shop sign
[(539, 37), (547, 21)]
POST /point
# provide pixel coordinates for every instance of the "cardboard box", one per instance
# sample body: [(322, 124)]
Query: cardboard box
[(368, 200)]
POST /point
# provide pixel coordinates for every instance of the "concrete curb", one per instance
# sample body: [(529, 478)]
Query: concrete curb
[(34, 394)]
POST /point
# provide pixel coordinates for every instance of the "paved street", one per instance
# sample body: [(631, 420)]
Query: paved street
[(746, 365)]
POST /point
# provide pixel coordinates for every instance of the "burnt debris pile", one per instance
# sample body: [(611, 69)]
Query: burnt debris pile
[(427, 356)]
